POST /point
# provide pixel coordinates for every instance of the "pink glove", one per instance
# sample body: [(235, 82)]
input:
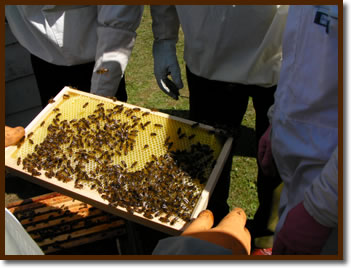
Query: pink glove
[(301, 234), (265, 157)]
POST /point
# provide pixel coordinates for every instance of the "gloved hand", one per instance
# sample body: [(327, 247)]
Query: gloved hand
[(166, 63), (300, 234), (13, 135), (230, 233), (265, 156)]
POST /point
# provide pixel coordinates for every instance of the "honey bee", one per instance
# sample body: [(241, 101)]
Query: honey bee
[(56, 109), (152, 134), (148, 215), (86, 104), (158, 125), (30, 135), (182, 136), (78, 186), (164, 219), (30, 141), (174, 220), (169, 146), (130, 209), (93, 186), (138, 210), (65, 96), (157, 213), (42, 123), (124, 163), (134, 164), (18, 161), (51, 100), (191, 136), (146, 146), (35, 172), (102, 71), (145, 113)]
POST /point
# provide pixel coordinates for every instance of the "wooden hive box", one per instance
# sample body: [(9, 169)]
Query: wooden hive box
[(145, 166), (57, 222)]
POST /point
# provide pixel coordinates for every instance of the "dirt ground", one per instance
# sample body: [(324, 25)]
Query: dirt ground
[(139, 240)]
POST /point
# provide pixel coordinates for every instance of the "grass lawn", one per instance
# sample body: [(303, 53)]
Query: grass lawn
[(144, 91)]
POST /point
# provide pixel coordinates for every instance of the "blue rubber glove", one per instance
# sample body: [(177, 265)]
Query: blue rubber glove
[(166, 63)]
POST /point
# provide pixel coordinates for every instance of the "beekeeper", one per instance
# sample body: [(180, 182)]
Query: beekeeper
[(304, 133), (231, 53), (86, 47), (303, 139)]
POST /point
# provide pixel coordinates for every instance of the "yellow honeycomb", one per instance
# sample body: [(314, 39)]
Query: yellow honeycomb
[(72, 108), (153, 130)]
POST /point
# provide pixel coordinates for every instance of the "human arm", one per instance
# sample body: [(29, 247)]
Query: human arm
[(308, 225), (116, 38), (165, 27), (321, 198)]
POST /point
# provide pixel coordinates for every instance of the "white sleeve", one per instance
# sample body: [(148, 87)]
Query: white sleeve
[(17, 240), (165, 22), (116, 32), (321, 198)]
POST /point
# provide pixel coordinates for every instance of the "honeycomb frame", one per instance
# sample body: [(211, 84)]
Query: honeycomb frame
[(74, 104)]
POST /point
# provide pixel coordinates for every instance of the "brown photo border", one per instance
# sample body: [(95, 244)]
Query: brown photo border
[(341, 232)]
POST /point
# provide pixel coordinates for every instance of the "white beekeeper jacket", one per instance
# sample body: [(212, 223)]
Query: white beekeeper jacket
[(71, 35), (237, 44), (17, 240), (305, 115)]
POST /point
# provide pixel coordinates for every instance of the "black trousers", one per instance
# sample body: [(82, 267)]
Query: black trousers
[(224, 104), (51, 79)]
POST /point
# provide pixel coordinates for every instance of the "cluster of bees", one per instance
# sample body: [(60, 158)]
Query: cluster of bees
[(168, 186)]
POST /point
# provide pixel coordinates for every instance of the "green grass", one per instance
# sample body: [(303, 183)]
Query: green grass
[(143, 91)]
